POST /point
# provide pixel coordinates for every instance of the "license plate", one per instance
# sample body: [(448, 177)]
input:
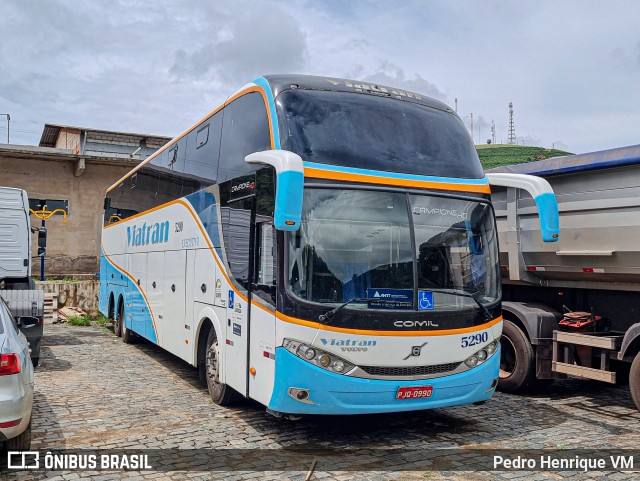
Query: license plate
[(414, 392)]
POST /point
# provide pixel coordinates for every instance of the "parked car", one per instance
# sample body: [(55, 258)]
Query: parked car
[(16, 381)]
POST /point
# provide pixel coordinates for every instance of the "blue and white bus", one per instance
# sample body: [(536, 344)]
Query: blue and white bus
[(320, 245)]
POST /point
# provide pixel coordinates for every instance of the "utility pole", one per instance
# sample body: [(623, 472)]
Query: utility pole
[(456, 105), (8, 125), (472, 125)]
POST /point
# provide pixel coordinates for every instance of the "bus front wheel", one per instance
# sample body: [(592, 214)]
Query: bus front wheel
[(127, 335), (220, 393)]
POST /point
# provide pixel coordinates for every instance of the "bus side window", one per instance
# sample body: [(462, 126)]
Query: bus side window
[(265, 270), (203, 153), (245, 129)]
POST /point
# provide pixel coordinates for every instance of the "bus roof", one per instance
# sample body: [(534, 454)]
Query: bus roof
[(602, 159), (280, 83)]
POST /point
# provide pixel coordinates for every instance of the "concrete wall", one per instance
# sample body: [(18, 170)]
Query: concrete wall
[(82, 294), (72, 247)]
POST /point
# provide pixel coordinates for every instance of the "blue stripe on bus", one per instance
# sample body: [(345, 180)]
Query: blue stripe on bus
[(264, 84), (333, 393), (140, 321), (395, 175)]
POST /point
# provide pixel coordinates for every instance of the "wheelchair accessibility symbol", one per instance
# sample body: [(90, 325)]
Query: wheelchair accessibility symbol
[(425, 301)]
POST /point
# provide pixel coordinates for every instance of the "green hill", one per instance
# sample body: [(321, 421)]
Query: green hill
[(496, 155)]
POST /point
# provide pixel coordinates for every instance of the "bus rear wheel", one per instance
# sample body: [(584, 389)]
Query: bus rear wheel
[(127, 335), (220, 393), (634, 381), (116, 320)]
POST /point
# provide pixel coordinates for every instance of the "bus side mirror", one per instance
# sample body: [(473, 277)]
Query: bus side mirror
[(289, 185), (542, 194)]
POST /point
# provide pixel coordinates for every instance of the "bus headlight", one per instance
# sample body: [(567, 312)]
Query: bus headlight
[(320, 358), (482, 355)]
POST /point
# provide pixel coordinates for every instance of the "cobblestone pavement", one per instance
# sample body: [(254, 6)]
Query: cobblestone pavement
[(95, 392)]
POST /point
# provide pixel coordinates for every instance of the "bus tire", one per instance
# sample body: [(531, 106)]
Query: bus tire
[(220, 393), (634, 381), (115, 320), (517, 360), (127, 335)]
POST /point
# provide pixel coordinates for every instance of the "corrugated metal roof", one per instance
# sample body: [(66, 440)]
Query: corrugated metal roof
[(49, 135), (602, 159)]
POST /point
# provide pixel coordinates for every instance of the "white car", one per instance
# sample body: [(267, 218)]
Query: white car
[(16, 381)]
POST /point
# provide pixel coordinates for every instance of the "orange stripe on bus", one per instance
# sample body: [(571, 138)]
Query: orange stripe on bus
[(373, 179), (367, 332)]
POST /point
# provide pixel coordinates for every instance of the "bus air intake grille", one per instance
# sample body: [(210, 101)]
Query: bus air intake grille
[(411, 370)]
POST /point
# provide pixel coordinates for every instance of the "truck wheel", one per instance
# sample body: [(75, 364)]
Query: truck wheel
[(634, 381), (127, 335), (220, 393), (517, 360), (21, 442)]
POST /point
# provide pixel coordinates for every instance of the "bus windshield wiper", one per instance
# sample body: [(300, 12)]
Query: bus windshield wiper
[(328, 315), (458, 292)]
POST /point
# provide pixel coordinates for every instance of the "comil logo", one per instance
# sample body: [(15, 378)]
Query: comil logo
[(243, 186), (148, 234)]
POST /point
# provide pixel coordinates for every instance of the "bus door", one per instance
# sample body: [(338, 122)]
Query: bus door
[(236, 226), (263, 318)]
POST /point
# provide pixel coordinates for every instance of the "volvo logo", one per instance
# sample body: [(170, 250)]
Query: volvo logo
[(415, 351)]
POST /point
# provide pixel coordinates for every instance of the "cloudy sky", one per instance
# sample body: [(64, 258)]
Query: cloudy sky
[(571, 68)]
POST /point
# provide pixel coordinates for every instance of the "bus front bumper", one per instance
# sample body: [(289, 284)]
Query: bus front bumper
[(331, 393)]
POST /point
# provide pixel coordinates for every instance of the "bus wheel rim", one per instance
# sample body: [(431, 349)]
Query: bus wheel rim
[(213, 367)]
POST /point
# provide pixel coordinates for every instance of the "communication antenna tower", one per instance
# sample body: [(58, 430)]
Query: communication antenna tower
[(472, 125), (493, 132), (512, 129), (456, 105)]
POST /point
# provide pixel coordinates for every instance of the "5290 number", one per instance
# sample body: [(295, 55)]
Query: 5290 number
[(474, 340)]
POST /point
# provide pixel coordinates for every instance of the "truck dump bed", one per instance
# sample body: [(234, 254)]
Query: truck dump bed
[(599, 201)]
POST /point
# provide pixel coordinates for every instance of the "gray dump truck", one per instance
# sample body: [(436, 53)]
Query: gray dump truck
[(17, 287), (572, 308)]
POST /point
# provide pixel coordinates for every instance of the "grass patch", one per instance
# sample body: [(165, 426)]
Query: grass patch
[(101, 320), (79, 321), (498, 155)]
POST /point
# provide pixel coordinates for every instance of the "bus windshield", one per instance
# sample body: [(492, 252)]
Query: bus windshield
[(398, 251), (359, 130)]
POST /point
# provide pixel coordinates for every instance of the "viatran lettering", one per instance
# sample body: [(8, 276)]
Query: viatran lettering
[(437, 211), (357, 345), (148, 234), (415, 324), (376, 88)]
